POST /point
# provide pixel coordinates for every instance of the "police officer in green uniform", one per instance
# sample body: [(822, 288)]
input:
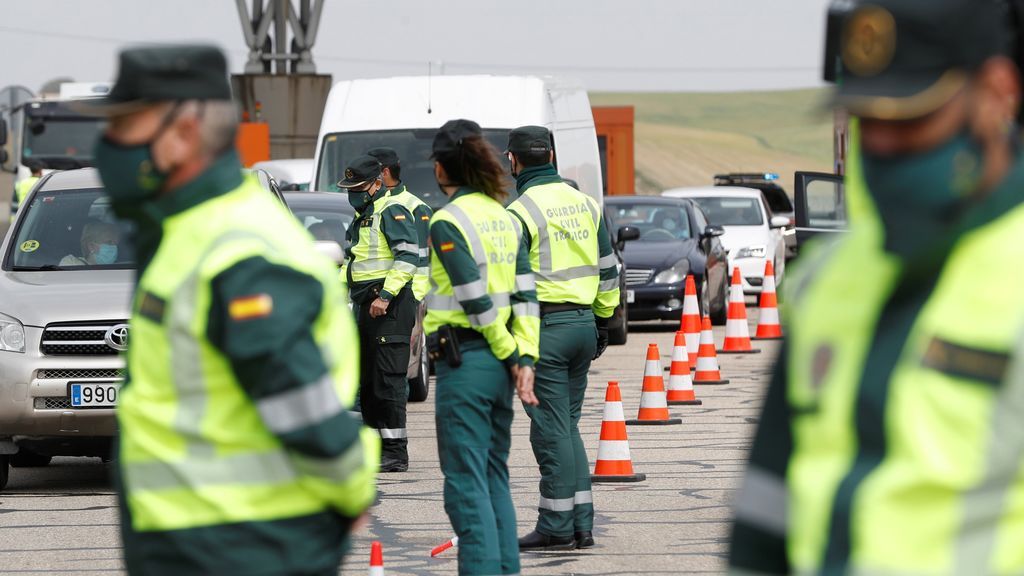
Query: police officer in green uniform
[(578, 288), (483, 324), (237, 454), (383, 256), (391, 174), (890, 441), (22, 189)]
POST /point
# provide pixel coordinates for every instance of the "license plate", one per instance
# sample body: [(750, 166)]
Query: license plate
[(94, 395), (630, 296)]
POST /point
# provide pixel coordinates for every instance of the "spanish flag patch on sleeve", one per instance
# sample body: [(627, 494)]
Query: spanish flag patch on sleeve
[(425, 218), (399, 217), (447, 246), (251, 307)]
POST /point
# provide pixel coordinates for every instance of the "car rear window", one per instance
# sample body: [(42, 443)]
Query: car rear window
[(731, 211), (70, 230)]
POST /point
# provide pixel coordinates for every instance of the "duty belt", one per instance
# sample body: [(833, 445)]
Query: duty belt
[(551, 308), (467, 334)]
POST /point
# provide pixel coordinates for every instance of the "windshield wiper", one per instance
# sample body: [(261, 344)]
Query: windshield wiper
[(46, 268)]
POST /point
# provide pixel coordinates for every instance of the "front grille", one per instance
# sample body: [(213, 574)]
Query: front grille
[(53, 403), (638, 276), (72, 374), (755, 280), (82, 339)]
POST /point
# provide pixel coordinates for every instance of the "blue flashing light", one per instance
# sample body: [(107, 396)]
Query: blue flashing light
[(771, 176)]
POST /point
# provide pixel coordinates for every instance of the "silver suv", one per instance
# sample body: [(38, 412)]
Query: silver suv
[(66, 280)]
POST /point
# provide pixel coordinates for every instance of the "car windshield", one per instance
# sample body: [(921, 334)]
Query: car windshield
[(725, 211), (70, 230), (325, 223), (413, 148), (656, 222)]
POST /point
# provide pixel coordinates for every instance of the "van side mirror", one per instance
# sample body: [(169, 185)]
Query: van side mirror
[(626, 234), (713, 232)]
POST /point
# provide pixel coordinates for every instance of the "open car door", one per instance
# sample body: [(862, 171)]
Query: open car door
[(820, 205)]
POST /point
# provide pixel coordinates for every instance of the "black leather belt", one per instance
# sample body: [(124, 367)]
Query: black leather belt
[(467, 334), (550, 308)]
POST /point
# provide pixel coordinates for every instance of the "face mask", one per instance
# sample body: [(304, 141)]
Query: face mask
[(129, 173), (359, 199), (107, 254), (930, 188)]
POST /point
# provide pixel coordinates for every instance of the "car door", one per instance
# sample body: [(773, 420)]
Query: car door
[(820, 205)]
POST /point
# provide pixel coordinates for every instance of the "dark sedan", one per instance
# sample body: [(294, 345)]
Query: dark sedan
[(674, 241)]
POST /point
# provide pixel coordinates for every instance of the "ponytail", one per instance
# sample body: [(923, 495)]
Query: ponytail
[(475, 164)]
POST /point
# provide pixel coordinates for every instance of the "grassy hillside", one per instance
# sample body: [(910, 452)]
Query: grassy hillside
[(684, 139)]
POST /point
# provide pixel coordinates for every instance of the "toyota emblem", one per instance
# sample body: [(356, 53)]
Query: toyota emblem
[(117, 337)]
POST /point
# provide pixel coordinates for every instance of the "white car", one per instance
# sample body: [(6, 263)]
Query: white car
[(291, 175), (752, 235)]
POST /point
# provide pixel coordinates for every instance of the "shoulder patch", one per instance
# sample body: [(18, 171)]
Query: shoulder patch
[(447, 246), (251, 307), (399, 217), (425, 217)]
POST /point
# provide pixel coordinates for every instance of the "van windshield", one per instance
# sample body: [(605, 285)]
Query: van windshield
[(70, 230), (413, 148)]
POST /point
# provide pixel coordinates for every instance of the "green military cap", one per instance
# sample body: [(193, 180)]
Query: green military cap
[(164, 73), (903, 59), (450, 136), (529, 139), (386, 156), (362, 170)]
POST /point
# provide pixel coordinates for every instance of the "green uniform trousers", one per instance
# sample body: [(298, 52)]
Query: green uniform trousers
[(568, 342), (474, 420), (384, 363)]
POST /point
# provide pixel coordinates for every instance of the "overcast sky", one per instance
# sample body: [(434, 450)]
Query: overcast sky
[(612, 45)]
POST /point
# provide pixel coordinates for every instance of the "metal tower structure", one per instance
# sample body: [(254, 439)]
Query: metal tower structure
[(278, 55)]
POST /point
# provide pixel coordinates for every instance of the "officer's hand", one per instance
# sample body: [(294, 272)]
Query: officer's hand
[(602, 339), (524, 386), (378, 308)]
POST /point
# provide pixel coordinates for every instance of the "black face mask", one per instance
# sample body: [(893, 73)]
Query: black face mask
[(359, 199)]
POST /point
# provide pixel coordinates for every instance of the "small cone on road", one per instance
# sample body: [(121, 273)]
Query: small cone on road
[(653, 401), (690, 322), (680, 385), (707, 360), (737, 333), (613, 461), (376, 559), (449, 544), (768, 327)]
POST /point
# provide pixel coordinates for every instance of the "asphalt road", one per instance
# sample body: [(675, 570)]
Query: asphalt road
[(63, 519)]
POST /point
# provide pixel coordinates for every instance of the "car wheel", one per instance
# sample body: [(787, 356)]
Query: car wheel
[(5, 470), (617, 336), (27, 459), (419, 386), (720, 315)]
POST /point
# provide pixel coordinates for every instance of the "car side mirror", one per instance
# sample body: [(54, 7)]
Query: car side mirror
[(713, 232), (779, 222), (331, 249), (626, 234)]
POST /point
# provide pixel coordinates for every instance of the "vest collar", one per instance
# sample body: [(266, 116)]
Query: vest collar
[(463, 191), (221, 177), (537, 176)]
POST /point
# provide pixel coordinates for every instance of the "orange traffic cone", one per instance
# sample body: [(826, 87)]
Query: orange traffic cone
[(737, 333), (613, 461), (453, 543), (707, 360), (653, 402), (376, 559), (768, 327), (680, 385), (690, 322)]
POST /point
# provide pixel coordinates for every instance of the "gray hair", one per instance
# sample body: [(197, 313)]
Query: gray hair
[(218, 123)]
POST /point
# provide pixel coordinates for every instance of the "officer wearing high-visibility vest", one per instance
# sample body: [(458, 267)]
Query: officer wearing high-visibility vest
[(578, 289), (22, 189), (383, 256), (890, 441), (391, 174), (482, 325), (237, 454)]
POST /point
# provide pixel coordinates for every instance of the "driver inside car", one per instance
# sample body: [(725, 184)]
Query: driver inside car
[(99, 245)]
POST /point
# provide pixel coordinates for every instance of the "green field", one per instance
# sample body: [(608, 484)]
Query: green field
[(683, 139)]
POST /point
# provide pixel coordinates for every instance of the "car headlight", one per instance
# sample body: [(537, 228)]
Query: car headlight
[(752, 252), (677, 273), (12, 335)]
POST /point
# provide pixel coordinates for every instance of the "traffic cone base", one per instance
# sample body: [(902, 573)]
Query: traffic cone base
[(638, 422), (751, 351), (709, 382), (613, 461), (685, 403)]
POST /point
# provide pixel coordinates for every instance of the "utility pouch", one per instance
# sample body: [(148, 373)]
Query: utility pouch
[(444, 344)]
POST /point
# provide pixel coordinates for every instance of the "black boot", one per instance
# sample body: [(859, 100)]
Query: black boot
[(537, 541), (393, 465), (584, 539)]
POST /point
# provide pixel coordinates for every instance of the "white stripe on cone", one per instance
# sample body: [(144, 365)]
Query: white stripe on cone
[(610, 450), (678, 356), (692, 308), (769, 317), (613, 412), (653, 400), (736, 327), (652, 367), (706, 364), (769, 283), (680, 382)]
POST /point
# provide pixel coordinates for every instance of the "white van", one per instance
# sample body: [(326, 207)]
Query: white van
[(405, 113)]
